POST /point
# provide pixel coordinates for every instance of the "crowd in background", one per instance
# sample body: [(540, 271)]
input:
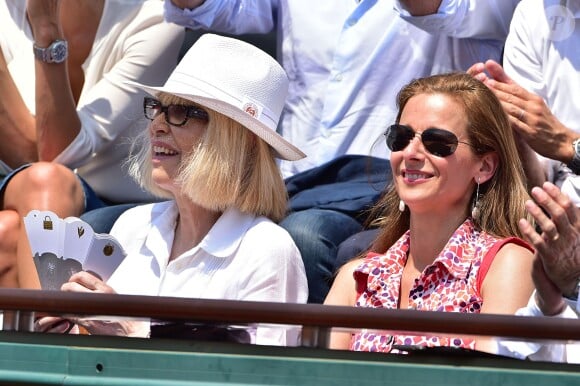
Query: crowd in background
[(427, 154)]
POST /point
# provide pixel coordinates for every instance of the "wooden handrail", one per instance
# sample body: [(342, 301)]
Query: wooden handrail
[(315, 315)]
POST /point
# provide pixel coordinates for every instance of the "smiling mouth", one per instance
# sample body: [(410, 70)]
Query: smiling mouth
[(415, 176), (160, 150)]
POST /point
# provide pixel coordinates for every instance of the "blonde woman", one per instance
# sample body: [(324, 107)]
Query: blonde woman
[(210, 150)]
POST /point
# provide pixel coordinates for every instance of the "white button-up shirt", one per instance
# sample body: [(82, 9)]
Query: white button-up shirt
[(241, 258)]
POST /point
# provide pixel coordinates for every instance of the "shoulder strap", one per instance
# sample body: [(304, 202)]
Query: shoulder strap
[(490, 255)]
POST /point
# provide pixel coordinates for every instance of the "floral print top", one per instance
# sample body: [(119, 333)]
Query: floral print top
[(450, 284)]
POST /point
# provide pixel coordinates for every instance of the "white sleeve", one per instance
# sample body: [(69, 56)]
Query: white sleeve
[(540, 351), (276, 274), (522, 58), (488, 19), (570, 185), (226, 16)]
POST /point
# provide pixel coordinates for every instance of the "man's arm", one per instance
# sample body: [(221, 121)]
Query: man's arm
[(421, 7), (487, 20), (223, 16), (187, 4), (57, 122)]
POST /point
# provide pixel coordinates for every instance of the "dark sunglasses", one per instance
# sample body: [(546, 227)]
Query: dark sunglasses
[(176, 115), (439, 142)]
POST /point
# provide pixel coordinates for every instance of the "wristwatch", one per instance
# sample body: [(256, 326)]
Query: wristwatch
[(574, 165), (56, 52), (575, 291)]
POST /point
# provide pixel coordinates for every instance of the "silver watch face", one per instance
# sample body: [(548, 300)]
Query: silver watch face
[(575, 164), (58, 51)]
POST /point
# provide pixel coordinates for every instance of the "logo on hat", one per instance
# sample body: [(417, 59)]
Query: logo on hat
[(252, 109)]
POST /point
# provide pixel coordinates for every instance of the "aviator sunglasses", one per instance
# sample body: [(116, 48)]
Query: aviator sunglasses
[(176, 115), (439, 142)]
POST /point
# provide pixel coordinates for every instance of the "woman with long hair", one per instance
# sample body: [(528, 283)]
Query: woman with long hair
[(449, 238)]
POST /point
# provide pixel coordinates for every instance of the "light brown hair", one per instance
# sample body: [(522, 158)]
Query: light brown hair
[(501, 202)]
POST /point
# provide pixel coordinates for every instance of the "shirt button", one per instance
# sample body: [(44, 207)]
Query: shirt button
[(338, 77)]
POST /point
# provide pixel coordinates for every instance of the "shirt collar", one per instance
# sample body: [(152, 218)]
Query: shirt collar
[(225, 236), (458, 254), (456, 257), (222, 240)]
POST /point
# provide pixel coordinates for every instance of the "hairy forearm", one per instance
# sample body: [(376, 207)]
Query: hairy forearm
[(533, 168), (57, 122), (565, 152), (421, 7)]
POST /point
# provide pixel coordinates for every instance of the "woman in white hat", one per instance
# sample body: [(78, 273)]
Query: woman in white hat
[(210, 150)]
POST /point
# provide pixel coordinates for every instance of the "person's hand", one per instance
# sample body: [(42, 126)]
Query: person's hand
[(85, 282), (557, 267), (55, 325), (528, 113), (189, 4)]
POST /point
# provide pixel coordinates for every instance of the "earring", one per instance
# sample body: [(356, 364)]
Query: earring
[(475, 207), (401, 205)]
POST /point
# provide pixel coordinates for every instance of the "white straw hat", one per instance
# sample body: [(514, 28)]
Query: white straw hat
[(236, 79)]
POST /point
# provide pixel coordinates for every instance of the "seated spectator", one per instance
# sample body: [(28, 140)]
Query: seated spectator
[(556, 271), (67, 113), (450, 220), (210, 150)]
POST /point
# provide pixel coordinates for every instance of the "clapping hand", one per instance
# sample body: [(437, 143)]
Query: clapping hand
[(557, 265)]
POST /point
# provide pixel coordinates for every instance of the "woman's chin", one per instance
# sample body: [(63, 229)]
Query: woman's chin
[(163, 181)]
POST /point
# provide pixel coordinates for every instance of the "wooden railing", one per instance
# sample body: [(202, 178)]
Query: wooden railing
[(317, 319)]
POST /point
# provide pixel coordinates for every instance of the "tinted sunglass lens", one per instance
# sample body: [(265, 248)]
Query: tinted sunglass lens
[(398, 137), (176, 114), (441, 143)]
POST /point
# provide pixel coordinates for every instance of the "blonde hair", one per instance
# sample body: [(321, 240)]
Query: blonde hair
[(229, 167), (501, 201)]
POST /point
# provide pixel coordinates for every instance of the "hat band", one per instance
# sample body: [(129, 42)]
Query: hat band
[(187, 85)]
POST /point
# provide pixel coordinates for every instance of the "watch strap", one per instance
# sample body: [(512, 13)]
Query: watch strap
[(574, 294), (46, 54), (574, 165)]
